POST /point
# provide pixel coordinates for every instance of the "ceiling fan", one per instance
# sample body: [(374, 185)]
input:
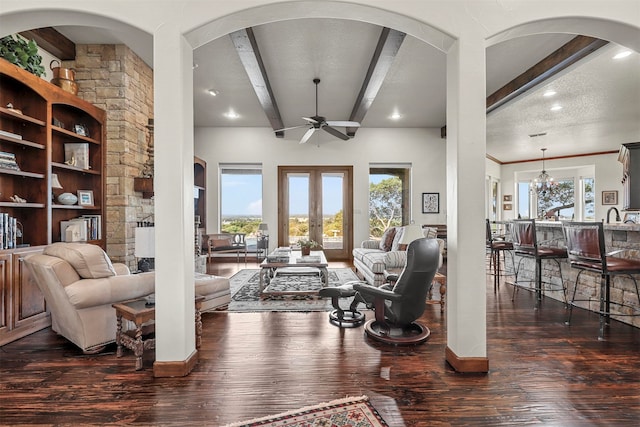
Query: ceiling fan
[(319, 122)]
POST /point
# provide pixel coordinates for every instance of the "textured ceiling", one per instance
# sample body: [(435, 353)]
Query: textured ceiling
[(600, 96)]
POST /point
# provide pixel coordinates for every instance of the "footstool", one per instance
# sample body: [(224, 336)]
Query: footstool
[(350, 318), (214, 289)]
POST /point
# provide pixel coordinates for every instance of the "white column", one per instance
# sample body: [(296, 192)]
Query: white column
[(173, 188), (466, 148)]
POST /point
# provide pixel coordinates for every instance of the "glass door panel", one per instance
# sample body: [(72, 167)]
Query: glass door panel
[(298, 203), (332, 209)]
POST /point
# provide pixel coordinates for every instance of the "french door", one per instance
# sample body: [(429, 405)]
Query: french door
[(316, 203)]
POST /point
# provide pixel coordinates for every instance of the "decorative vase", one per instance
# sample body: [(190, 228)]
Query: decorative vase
[(67, 199), (306, 250)]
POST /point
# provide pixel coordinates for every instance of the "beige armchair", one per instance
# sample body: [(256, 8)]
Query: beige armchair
[(79, 284)]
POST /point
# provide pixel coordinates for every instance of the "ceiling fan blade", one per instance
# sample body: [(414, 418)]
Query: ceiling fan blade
[(343, 123), (310, 120), (293, 127), (307, 135), (336, 133)]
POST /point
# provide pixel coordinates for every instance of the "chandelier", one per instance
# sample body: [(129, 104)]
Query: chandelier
[(544, 183)]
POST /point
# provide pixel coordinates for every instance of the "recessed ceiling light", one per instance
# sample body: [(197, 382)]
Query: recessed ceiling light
[(549, 93), (395, 116), (622, 54), (231, 115), (213, 92), (556, 108)]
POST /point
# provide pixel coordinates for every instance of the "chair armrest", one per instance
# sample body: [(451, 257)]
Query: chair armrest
[(367, 289), (121, 269)]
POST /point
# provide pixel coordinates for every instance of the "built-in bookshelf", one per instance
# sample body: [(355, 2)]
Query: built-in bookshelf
[(40, 127)]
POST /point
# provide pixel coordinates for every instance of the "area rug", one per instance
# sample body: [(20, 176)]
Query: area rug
[(348, 412), (245, 296)]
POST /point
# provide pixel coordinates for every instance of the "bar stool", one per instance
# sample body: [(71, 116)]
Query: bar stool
[(587, 252), (495, 247), (526, 245)]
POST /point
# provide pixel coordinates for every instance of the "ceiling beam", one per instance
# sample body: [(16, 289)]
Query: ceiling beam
[(247, 48), (388, 45), (568, 54), (53, 42)]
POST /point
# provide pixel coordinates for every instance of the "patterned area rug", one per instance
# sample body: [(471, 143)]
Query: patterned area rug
[(348, 412), (245, 296)]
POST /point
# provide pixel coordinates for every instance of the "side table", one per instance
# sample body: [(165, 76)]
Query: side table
[(391, 276), (142, 315)]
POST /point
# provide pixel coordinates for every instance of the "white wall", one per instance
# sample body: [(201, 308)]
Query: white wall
[(423, 148), (608, 174)]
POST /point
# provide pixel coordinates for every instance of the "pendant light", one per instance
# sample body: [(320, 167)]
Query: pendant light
[(543, 183)]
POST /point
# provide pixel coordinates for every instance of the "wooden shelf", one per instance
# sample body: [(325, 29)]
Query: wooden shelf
[(39, 153)]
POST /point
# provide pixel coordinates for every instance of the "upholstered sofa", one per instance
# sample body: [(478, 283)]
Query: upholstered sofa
[(373, 257), (80, 283)]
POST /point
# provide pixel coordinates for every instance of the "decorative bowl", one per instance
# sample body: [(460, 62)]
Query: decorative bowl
[(67, 199)]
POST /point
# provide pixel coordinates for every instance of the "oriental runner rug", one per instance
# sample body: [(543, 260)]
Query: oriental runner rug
[(245, 295), (348, 412)]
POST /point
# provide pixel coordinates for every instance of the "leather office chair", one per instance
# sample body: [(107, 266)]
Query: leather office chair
[(526, 245), (495, 246), (397, 307), (587, 252)]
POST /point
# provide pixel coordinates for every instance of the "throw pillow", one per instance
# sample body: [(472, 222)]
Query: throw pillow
[(387, 239), (89, 261), (395, 246)]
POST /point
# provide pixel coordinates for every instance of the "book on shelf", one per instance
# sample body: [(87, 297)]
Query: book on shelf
[(86, 227), (8, 161), (77, 154), (9, 231), (10, 134)]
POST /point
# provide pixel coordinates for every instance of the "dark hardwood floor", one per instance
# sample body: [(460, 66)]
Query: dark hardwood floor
[(256, 364)]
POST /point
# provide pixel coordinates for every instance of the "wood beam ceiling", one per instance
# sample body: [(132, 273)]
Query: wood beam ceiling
[(247, 48), (53, 42), (574, 50), (385, 53)]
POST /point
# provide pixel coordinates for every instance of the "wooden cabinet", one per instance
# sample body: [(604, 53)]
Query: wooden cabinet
[(22, 306), (37, 122), (629, 156)]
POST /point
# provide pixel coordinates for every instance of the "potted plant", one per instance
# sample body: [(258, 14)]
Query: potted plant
[(22, 53), (307, 245)]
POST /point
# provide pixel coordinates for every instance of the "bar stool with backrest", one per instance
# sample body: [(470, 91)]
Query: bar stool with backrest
[(526, 245), (496, 246), (587, 252)]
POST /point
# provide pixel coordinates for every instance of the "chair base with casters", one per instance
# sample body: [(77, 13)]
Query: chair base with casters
[(381, 329), (587, 253), (343, 318)]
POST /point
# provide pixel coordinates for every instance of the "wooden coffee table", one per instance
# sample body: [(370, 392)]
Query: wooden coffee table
[(293, 260), (141, 338)]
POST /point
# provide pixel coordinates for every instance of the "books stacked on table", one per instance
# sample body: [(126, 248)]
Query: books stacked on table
[(308, 259), (278, 258), (8, 161)]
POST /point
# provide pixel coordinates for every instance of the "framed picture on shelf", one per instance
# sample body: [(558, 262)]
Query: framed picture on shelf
[(610, 197), (81, 130), (430, 202), (77, 154), (85, 197)]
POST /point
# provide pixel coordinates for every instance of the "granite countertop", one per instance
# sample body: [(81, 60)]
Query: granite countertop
[(617, 226)]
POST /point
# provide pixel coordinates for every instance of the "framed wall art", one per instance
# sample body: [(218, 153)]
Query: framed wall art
[(85, 197), (430, 202), (507, 198), (610, 197), (507, 206)]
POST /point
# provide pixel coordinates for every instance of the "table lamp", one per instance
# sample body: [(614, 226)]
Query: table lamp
[(145, 247), (55, 183), (263, 229), (411, 232)]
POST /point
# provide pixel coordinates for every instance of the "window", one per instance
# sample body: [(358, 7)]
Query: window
[(524, 200), (389, 197), (588, 199), (241, 199), (560, 202)]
